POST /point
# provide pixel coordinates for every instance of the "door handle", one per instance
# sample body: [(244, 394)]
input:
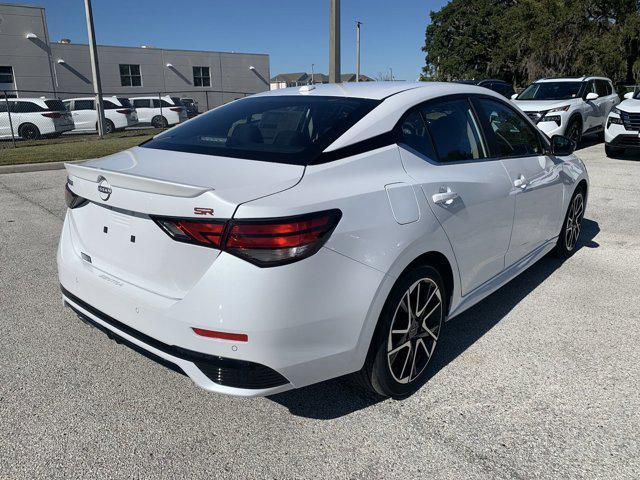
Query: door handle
[(445, 198), (520, 182)]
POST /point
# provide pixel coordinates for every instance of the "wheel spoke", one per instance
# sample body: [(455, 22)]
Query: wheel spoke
[(404, 366)]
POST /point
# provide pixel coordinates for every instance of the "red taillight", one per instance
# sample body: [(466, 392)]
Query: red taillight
[(176, 109), (238, 337), (264, 243), (124, 111), (205, 233), (52, 114)]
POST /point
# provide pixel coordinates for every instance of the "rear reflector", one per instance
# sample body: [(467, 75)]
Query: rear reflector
[(263, 242), (237, 337)]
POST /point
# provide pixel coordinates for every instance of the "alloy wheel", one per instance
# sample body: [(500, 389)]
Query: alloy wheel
[(415, 329), (574, 222)]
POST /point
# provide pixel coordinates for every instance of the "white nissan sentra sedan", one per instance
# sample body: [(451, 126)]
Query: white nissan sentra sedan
[(302, 234)]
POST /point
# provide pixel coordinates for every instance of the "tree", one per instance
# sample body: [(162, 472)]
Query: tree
[(522, 40)]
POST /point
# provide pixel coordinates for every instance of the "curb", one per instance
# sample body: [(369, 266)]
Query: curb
[(34, 167)]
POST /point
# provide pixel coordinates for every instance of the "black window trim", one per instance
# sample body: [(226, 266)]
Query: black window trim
[(469, 97)]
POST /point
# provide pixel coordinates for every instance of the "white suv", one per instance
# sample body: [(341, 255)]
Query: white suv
[(572, 107), (160, 112), (33, 118), (623, 126), (118, 113)]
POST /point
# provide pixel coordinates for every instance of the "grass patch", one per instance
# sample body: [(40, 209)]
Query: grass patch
[(71, 147)]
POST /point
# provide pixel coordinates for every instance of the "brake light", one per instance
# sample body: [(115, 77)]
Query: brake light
[(176, 109), (238, 337), (205, 233), (124, 111), (264, 243), (52, 114)]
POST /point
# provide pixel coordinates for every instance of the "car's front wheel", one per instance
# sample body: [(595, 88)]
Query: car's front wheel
[(574, 131), (572, 226), (407, 334)]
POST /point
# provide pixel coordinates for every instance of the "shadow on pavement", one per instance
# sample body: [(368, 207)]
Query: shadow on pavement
[(338, 397)]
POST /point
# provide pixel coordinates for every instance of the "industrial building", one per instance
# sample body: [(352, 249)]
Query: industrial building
[(31, 65)]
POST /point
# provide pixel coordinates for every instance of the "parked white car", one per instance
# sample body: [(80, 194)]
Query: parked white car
[(302, 234), (572, 107), (33, 118), (118, 113), (623, 126), (159, 112)]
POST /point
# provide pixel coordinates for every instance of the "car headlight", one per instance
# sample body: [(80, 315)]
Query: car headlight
[(564, 108), (616, 110), (552, 118), (614, 120)]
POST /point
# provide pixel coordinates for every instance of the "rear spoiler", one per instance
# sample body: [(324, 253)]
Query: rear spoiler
[(135, 182)]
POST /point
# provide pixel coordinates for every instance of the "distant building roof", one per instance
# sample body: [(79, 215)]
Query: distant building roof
[(290, 77), (300, 77)]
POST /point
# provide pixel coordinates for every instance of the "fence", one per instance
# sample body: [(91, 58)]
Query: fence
[(40, 117)]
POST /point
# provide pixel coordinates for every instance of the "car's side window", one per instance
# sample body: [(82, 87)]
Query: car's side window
[(141, 103), (508, 134), (455, 132), (84, 105), (413, 133), (601, 88)]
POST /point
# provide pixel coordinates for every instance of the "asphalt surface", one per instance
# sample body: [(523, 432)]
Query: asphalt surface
[(540, 380)]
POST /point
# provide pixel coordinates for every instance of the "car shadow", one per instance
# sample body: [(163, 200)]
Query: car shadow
[(339, 397)]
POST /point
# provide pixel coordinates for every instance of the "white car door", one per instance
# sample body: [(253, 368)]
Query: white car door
[(591, 108), (468, 193), (84, 115), (143, 108), (536, 181)]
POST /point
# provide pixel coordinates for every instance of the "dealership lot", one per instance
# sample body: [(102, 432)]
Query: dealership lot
[(540, 380)]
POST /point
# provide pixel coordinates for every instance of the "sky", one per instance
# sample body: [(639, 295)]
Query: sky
[(295, 33)]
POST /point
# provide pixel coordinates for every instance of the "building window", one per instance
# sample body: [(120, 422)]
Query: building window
[(201, 77), (130, 76), (6, 74)]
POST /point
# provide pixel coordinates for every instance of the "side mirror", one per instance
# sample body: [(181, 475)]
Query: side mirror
[(562, 146), (592, 96), (628, 95), (514, 96)]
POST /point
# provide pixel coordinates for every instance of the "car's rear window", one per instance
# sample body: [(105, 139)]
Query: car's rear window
[(281, 129), (124, 102), (55, 105)]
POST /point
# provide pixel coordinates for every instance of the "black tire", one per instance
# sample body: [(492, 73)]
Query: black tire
[(574, 131), (28, 131), (109, 127), (159, 121), (613, 152), (385, 369), (571, 227)]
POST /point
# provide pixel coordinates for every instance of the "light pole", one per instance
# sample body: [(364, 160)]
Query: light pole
[(334, 41), (312, 72), (358, 50), (95, 70)]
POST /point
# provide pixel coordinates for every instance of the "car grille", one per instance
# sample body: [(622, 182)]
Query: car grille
[(631, 120), (626, 141)]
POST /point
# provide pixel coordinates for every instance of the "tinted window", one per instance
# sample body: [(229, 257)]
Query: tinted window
[(3, 107), (281, 129), (508, 134), (601, 88), (454, 131), (107, 105), (551, 91), (157, 103), (26, 107), (55, 105), (124, 102), (83, 105), (413, 133), (6, 76), (143, 103)]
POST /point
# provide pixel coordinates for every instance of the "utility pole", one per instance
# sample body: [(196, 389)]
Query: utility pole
[(312, 72), (358, 50), (95, 71), (334, 41)]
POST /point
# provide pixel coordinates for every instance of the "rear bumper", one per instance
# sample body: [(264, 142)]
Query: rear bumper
[(211, 372), (304, 321)]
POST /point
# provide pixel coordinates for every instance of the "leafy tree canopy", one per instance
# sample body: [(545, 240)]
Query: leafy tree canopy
[(523, 40)]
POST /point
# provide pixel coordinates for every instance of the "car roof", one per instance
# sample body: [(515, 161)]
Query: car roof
[(570, 79), (92, 98), (372, 90)]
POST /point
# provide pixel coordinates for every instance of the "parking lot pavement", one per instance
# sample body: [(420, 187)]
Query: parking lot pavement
[(540, 380)]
